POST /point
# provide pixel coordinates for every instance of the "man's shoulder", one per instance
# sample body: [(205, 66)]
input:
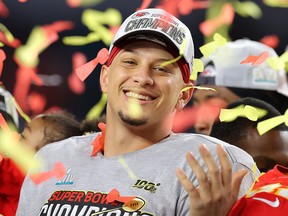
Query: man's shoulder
[(192, 140), (74, 143)]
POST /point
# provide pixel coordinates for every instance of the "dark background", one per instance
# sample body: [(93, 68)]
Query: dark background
[(57, 58)]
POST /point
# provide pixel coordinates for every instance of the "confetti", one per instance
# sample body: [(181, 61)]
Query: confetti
[(58, 172), (181, 51), (145, 4), (250, 112), (85, 70), (73, 80), (98, 142), (256, 60), (114, 195), (276, 3), (96, 22), (210, 47), (98, 108), (12, 147), (185, 7), (7, 38), (4, 12), (2, 58), (198, 67), (131, 174), (270, 40), (226, 16), (268, 124), (248, 8), (134, 108), (278, 63)]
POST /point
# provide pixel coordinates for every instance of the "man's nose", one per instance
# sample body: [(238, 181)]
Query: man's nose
[(143, 75)]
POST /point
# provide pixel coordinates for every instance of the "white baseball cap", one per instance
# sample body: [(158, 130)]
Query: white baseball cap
[(224, 67), (159, 26)]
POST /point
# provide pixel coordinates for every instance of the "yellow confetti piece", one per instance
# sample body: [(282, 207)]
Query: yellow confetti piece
[(278, 63), (209, 48), (198, 67), (131, 174), (248, 8), (181, 51), (28, 54), (276, 3), (6, 32), (204, 88), (20, 111), (18, 152), (250, 112), (81, 40), (268, 124), (134, 108), (98, 108), (96, 21), (187, 88)]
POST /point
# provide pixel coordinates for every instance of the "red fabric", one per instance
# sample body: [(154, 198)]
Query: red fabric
[(182, 64), (269, 196), (11, 179)]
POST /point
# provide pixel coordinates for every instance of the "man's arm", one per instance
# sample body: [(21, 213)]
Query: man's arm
[(218, 190)]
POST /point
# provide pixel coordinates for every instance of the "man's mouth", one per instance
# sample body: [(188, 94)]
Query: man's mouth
[(138, 96)]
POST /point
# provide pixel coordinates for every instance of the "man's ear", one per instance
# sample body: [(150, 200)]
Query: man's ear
[(104, 78), (185, 96)]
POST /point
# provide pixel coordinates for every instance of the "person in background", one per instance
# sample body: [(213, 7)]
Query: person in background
[(268, 149), (49, 128), (232, 80), (131, 166), (40, 131)]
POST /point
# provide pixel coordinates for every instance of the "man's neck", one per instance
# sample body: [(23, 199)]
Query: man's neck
[(124, 139)]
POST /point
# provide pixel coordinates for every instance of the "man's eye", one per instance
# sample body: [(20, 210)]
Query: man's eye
[(129, 62), (161, 69)]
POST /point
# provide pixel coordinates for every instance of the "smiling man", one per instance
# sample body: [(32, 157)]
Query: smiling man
[(137, 165)]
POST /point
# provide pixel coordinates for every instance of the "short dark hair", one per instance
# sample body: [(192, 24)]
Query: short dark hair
[(232, 132), (59, 126)]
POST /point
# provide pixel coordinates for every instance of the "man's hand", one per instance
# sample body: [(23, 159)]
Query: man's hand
[(218, 190)]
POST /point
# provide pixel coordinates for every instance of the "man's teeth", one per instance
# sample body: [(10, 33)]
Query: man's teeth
[(138, 96)]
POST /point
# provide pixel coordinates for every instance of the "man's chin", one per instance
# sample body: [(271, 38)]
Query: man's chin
[(132, 121)]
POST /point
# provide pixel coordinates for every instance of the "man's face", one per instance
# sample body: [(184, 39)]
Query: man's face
[(208, 104), (137, 77), (267, 150)]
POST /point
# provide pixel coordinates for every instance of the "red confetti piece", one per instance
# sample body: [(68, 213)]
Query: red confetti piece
[(74, 82), (98, 142), (145, 4), (256, 60), (170, 8), (24, 76), (85, 70), (73, 3), (114, 195), (58, 171), (4, 12), (226, 16), (3, 123), (206, 112), (270, 40), (2, 58), (36, 102), (186, 6)]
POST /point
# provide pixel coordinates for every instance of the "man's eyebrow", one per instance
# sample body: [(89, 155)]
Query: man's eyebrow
[(160, 59)]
